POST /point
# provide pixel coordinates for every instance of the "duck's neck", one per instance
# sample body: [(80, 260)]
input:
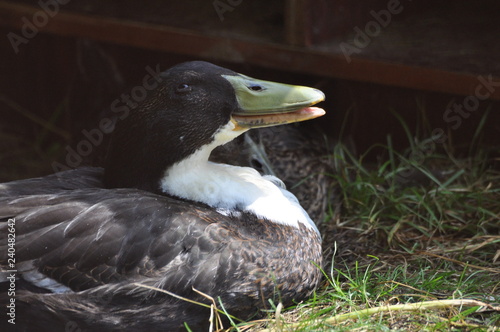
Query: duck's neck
[(233, 189)]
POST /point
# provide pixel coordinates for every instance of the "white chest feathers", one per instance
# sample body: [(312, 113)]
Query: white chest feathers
[(232, 189)]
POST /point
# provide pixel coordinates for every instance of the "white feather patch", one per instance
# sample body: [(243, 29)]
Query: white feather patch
[(232, 188), (31, 274)]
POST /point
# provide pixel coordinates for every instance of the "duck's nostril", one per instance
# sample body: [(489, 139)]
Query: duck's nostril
[(256, 87)]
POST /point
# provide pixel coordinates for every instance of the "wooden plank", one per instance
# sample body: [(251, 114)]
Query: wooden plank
[(297, 29), (276, 56)]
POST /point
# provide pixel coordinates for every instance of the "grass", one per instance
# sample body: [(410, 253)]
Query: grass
[(415, 246)]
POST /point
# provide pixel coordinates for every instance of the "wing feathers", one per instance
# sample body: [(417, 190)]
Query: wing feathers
[(85, 238)]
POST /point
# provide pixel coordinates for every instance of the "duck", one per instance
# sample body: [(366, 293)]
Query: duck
[(143, 242)]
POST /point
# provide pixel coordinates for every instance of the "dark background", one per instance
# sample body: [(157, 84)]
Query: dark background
[(65, 77)]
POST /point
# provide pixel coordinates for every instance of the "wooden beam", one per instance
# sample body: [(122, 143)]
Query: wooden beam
[(296, 23), (270, 55)]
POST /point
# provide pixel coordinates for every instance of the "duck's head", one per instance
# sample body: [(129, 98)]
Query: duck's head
[(196, 107)]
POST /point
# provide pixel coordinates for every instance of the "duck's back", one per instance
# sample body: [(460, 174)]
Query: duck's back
[(82, 249)]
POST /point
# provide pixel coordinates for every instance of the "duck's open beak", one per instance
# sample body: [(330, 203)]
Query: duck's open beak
[(264, 103)]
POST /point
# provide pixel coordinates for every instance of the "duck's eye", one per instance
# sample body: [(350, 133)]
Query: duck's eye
[(183, 88), (256, 87)]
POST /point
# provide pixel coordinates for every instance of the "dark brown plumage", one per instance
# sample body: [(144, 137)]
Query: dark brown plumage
[(98, 242)]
